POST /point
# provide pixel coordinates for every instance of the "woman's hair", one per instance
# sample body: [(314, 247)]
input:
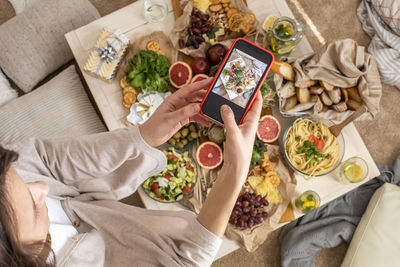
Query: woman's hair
[(12, 252)]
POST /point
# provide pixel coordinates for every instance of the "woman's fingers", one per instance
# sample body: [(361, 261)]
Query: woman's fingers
[(183, 114), (188, 90), (200, 119)]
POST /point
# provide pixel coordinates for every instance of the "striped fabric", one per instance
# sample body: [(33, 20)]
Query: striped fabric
[(58, 108), (385, 43)]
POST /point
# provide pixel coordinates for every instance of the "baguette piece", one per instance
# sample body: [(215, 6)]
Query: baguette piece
[(353, 105), (290, 103), (325, 99), (340, 107), (303, 95), (287, 90), (327, 86), (335, 95), (316, 90), (306, 84), (318, 105), (284, 69), (345, 95), (354, 94)]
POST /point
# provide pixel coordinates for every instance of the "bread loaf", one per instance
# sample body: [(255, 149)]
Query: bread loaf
[(290, 103), (316, 90), (284, 69), (353, 105), (303, 95), (327, 86), (340, 107), (325, 99), (287, 90), (354, 94), (335, 95)]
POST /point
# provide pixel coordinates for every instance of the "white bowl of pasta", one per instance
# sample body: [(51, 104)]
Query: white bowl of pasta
[(311, 149)]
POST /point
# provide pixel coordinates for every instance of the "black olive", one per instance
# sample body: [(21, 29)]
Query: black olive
[(196, 31), (189, 43), (190, 31), (195, 44)]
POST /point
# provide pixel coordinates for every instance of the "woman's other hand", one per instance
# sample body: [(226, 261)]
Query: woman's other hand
[(240, 139), (176, 111)]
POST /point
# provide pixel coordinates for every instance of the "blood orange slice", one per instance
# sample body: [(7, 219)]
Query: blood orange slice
[(268, 129), (209, 155), (198, 78), (180, 74)]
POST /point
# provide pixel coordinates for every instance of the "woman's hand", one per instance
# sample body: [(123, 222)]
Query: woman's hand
[(176, 111), (215, 213), (240, 139)]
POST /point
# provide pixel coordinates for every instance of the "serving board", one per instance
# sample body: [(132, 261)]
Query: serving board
[(288, 215)]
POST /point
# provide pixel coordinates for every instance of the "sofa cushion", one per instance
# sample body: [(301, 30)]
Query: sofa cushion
[(7, 93), (58, 108), (33, 45), (376, 241)]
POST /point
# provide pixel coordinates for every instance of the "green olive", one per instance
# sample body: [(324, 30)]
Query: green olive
[(180, 145), (190, 138), (185, 132), (177, 135), (184, 141), (194, 135), (192, 128), (172, 141)]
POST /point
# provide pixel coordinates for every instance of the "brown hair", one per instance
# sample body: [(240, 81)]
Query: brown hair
[(12, 252)]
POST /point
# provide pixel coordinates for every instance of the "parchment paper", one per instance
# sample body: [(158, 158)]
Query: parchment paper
[(181, 24), (251, 239)]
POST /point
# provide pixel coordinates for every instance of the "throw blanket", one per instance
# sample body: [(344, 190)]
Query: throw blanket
[(332, 223), (381, 21)]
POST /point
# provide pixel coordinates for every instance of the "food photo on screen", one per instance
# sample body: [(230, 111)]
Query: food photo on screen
[(239, 78)]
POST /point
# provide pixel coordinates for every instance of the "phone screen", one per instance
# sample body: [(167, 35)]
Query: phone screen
[(239, 78)]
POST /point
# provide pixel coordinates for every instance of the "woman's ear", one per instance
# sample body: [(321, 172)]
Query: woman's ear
[(39, 191)]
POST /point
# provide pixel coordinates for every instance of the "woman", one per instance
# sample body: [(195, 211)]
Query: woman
[(77, 182)]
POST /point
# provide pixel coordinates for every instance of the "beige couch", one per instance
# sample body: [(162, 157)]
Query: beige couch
[(33, 47), (376, 241)]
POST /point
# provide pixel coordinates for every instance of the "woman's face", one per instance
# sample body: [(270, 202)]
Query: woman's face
[(29, 203)]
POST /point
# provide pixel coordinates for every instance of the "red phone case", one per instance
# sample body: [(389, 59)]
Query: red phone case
[(219, 70)]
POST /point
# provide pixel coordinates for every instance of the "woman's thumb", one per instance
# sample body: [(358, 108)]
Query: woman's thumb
[(228, 118)]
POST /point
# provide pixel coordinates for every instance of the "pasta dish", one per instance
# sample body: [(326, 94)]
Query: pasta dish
[(310, 147)]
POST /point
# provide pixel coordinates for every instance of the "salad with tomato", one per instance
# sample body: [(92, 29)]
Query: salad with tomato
[(175, 181)]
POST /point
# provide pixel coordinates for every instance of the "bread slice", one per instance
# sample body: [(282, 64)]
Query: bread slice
[(325, 99), (353, 105), (287, 90), (345, 95), (303, 95), (335, 95), (316, 90), (306, 84), (327, 86), (354, 94), (290, 103), (284, 69), (318, 105), (340, 107)]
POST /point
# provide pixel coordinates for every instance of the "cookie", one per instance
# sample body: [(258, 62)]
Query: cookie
[(123, 83), (153, 45), (130, 98)]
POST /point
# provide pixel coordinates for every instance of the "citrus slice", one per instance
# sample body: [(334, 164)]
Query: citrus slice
[(268, 129), (285, 50), (180, 74), (235, 21), (353, 172), (269, 21), (209, 155), (199, 77)]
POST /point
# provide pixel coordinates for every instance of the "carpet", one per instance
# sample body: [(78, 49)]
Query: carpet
[(332, 20)]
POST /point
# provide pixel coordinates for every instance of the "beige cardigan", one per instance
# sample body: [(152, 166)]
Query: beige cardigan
[(90, 174)]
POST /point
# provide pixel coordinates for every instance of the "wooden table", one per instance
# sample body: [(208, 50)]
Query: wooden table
[(108, 96)]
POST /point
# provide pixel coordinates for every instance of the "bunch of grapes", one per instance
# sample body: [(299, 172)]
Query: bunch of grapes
[(248, 211)]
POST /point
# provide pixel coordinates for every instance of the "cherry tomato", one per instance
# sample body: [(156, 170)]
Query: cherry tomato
[(154, 187), (186, 190), (167, 176), (320, 145)]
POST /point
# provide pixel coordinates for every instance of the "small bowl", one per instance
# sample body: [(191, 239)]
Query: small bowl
[(341, 174), (180, 151), (304, 198), (339, 139)]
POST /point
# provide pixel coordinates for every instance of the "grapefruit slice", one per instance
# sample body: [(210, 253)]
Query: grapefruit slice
[(180, 74), (209, 155), (198, 78), (268, 129)]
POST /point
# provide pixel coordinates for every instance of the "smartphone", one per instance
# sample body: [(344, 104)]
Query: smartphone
[(237, 81)]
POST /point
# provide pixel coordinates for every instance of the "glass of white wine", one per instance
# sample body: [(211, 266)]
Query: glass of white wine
[(155, 11)]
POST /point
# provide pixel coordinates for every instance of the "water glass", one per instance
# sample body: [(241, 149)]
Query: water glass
[(155, 11), (353, 170)]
